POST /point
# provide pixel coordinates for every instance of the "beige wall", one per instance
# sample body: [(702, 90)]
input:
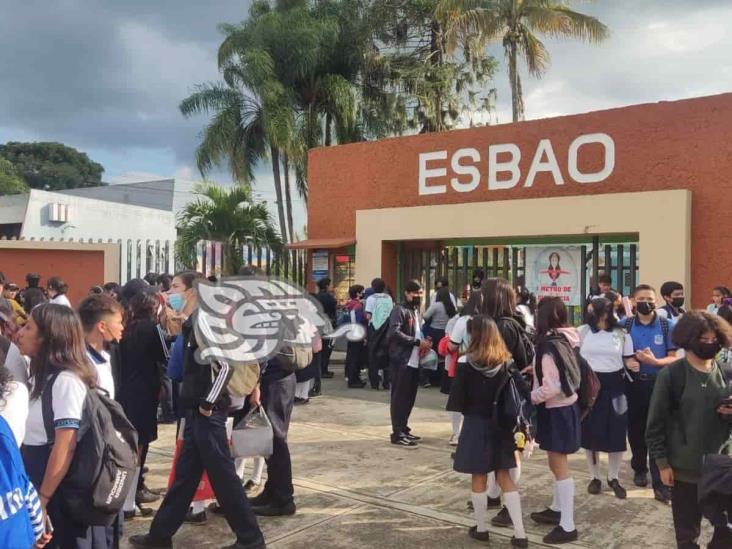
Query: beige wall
[(661, 218)]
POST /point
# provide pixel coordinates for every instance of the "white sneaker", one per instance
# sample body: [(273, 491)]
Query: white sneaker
[(454, 440)]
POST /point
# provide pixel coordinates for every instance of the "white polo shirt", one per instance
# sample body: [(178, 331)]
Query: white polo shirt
[(67, 402), (603, 350), (103, 365)]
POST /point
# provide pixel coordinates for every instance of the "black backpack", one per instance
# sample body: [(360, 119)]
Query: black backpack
[(95, 487), (524, 340)]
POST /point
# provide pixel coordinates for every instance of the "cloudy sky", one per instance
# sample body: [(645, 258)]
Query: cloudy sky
[(106, 76)]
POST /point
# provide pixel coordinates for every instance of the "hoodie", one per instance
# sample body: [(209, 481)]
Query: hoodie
[(549, 392)]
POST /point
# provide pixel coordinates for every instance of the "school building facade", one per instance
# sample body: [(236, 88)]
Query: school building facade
[(643, 190)]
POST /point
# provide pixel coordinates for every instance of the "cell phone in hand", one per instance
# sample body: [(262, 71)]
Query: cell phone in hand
[(47, 526)]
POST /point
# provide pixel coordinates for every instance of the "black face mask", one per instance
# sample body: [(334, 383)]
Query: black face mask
[(677, 302), (706, 351), (645, 308)]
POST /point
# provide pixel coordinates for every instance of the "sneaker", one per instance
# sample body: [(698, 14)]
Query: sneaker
[(547, 516), (594, 487), (480, 536), (522, 543), (314, 393), (357, 385), (405, 442), (138, 511), (413, 438), (502, 519), (250, 487), (453, 440), (262, 499), (216, 509), (641, 480), (426, 385), (145, 541), (195, 518), (299, 400), (274, 510), (560, 535), (327, 375), (662, 494), (145, 496), (620, 492)]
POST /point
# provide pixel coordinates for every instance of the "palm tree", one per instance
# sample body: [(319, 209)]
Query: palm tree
[(516, 22), (229, 216)]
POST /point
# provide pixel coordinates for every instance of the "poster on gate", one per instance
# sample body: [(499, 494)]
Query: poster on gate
[(554, 271)]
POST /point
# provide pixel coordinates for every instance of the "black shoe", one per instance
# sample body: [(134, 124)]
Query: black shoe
[(250, 487), (145, 496), (641, 480), (404, 441), (413, 438), (522, 543), (156, 491), (167, 420), (274, 510), (375, 387), (195, 518), (327, 375), (547, 516), (426, 385), (357, 385), (145, 470), (299, 401), (216, 509), (138, 511), (480, 536), (595, 487), (494, 503), (662, 494), (620, 492), (238, 545), (147, 542), (314, 393), (502, 519), (387, 386), (260, 500), (559, 535)]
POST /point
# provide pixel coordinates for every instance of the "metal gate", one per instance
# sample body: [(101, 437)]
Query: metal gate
[(457, 263)]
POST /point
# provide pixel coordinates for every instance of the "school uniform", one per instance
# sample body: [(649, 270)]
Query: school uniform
[(640, 390), (379, 306), (605, 429), (67, 401)]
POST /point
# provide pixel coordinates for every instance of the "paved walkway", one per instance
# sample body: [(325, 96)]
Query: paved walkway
[(354, 490)]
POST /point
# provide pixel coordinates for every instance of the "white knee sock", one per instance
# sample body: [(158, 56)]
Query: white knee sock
[(198, 507), (593, 463), (302, 389), (130, 500), (258, 469), (240, 464), (513, 504), (493, 490), (615, 459), (456, 418), (479, 510), (555, 498), (566, 503), (515, 473)]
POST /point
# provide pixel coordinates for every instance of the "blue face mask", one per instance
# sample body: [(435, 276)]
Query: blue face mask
[(176, 301)]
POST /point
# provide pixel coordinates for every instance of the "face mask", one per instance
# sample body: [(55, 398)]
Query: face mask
[(706, 351), (677, 302), (176, 302), (415, 302), (645, 308)]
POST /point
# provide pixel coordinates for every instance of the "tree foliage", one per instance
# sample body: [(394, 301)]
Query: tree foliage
[(52, 166), (10, 181)]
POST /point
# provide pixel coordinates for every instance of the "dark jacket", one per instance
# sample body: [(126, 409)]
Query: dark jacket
[(510, 329), (329, 304), (402, 334), (203, 385)]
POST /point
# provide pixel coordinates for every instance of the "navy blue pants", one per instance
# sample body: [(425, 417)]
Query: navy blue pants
[(639, 401), (67, 534), (278, 397), (205, 446), (404, 385)]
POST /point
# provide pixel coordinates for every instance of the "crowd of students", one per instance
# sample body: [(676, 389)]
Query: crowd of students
[(515, 374)]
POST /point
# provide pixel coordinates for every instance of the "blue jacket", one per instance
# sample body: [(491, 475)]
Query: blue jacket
[(175, 362)]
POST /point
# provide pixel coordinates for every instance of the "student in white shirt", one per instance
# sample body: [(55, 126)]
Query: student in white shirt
[(54, 341), (57, 289), (608, 350), (13, 404)]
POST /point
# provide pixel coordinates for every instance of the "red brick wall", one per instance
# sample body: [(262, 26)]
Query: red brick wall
[(669, 145)]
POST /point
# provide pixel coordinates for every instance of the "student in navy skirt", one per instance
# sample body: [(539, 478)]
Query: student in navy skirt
[(556, 380), (486, 444), (607, 349)]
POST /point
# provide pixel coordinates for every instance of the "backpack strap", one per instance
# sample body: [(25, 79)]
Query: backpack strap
[(628, 326), (47, 407), (664, 328)]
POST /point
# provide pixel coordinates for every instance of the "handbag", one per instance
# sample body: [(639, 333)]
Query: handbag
[(252, 436)]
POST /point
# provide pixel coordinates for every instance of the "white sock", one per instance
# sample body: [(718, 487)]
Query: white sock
[(515, 473), (302, 389), (513, 504), (130, 499), (198, 507), (494, 491), (566, 503), (456, 418), (240, 464), (258, 469), (614, 459), (594, 467), (480, 510), (555, 498)]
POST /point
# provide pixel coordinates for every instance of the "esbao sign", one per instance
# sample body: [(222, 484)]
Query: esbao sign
[(553, 271)]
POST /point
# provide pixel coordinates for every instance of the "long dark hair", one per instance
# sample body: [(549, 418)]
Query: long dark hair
[(551, 315), (472, 307), (443, 296), (58, 285), (499, 299), (602, 308), (62, 346), (559, 259), (143, 307), (524, 296)]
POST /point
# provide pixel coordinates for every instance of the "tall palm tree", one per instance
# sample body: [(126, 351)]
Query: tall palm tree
[(516, 23), (229, 216)]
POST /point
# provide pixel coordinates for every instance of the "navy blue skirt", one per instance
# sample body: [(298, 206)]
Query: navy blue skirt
[(558, 429), (605, 429), (483, 448)]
